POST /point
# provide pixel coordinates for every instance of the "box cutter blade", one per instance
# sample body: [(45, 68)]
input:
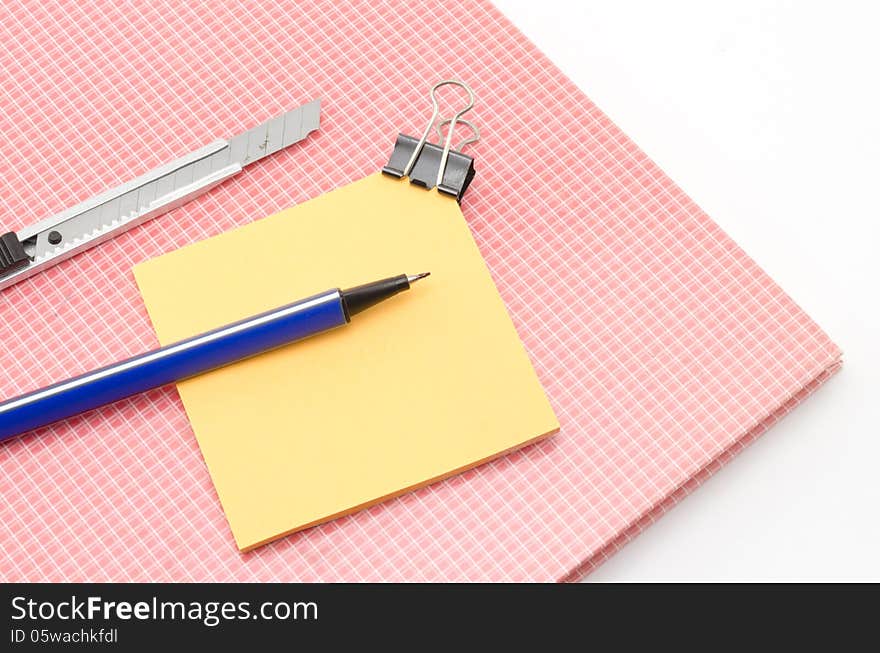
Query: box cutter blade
[(76, 229)]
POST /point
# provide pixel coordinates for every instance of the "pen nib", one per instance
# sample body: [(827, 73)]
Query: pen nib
[(412, 278)]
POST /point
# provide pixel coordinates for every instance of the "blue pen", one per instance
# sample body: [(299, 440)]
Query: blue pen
[(208, 351)]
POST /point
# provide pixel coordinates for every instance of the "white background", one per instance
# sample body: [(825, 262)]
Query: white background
[(768, 115)]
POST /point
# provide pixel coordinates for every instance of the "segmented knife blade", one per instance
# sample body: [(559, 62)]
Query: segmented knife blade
[(99, 218)]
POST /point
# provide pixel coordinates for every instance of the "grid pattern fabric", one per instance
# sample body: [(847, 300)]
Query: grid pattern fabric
[(663, 347)]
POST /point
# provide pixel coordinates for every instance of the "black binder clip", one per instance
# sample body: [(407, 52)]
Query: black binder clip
[(429, 165)]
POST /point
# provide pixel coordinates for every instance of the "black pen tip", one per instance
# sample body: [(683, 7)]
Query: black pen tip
[(412, 278)]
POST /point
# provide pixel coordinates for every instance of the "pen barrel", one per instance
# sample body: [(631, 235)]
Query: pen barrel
[(175, 362)]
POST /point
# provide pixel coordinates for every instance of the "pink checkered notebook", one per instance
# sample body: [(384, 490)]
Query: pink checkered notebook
[(663, 348)]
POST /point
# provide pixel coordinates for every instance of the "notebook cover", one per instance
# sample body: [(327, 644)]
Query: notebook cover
[(663, 347)]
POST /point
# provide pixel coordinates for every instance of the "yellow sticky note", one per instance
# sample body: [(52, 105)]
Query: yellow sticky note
[(429, 383)]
